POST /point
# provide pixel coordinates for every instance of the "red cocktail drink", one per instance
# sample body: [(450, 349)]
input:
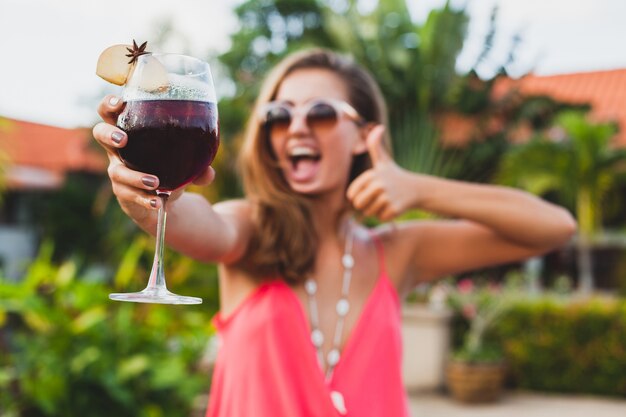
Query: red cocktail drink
[(175, 140)]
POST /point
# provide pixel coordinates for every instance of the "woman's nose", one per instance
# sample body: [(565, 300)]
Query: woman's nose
[(298, 123)]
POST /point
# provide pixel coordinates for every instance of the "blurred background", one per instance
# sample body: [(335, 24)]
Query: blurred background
[(527, 94)]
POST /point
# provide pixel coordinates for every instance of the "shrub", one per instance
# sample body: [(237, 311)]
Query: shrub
[(67, 350), (565, 345)]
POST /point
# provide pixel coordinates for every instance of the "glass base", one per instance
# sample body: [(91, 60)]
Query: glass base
[(155, 296)]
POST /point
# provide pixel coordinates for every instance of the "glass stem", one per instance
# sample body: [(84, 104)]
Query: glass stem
[(157, 275)]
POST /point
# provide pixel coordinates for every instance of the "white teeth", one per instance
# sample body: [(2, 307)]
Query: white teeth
[(303, 151)]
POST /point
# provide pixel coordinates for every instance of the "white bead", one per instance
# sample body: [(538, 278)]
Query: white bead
[(317, 337), (348, 261), (333, 357), (310, 286), (343, 306), (338, 402)]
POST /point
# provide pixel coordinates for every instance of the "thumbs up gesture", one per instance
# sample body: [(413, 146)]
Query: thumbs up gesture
[(383, 191)]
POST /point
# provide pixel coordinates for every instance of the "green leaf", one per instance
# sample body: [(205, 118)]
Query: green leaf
[(132, 367), (37, 321), (85, 358), (7, 375), (88, 319), (168, 373), (130, 261), (66, 273)]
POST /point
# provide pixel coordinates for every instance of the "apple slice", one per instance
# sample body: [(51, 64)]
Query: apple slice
[(149, 76), (113, 65)]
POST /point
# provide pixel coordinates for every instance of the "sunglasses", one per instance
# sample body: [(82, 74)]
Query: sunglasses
[(319, 112)]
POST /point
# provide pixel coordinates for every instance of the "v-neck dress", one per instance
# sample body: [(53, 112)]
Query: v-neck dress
[(267, 366)]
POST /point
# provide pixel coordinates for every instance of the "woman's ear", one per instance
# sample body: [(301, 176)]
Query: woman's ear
[(361, 146)]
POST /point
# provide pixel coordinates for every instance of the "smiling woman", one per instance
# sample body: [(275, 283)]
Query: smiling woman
[(312, 85), (309, 317)]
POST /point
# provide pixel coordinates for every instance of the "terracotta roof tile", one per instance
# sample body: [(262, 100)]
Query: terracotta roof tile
[(605, 91), (48, 148), (455, 129)]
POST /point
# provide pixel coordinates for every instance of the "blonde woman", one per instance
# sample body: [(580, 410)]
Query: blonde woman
[(309, 318)]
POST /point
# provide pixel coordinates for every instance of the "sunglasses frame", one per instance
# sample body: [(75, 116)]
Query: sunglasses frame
[(341, 108)]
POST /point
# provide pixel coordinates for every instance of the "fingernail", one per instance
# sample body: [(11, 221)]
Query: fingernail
[(149, 182), (113, 101), (117, 137), (153, 203)]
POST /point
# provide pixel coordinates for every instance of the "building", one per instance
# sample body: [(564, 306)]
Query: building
[(34, 159), (603, 91)]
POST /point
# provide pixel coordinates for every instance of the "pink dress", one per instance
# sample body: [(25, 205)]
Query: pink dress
[(267, 365)]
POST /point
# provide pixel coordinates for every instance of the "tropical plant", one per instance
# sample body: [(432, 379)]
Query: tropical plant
[(67, 350), (417, 148), (413, 62), (481, 304), (577, 163)]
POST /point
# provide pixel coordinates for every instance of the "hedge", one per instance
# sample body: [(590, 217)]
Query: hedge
[(565, 345)]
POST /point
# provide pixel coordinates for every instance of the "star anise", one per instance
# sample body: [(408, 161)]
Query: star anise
[(136, 51)]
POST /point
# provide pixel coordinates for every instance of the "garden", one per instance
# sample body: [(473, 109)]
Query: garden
[(556, 324)]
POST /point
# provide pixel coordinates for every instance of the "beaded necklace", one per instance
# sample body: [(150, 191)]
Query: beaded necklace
[(342, 307)]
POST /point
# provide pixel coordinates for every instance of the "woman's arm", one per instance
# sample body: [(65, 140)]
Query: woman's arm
[(215, 233), (513, 215), (491, 225)]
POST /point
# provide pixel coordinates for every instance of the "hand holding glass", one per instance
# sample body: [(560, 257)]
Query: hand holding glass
[(171, 121)]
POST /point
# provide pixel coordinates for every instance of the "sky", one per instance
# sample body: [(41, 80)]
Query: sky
[(50, 47)]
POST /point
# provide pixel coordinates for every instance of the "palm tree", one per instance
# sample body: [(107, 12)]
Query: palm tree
[(578, 165)]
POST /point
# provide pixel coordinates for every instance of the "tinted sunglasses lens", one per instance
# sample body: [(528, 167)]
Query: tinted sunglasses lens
[(321, 113), (278, 117)]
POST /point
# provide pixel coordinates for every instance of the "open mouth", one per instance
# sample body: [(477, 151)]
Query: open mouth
[(303, 154), (304, 162)]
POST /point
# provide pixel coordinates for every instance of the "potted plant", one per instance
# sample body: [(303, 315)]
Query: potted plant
[(476, 370), (426, 337)]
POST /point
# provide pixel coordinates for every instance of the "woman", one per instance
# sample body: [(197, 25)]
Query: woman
[(309, 320)]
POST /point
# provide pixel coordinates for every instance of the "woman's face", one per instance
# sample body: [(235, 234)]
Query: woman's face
[(315, 155)]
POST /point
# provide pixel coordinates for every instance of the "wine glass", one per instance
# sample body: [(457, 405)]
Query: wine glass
[(170, 117)]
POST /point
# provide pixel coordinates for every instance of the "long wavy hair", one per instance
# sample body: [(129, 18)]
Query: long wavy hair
[(284, 243)]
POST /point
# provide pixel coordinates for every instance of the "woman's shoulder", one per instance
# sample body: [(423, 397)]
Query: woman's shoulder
[(398, 232), (238, 205), (405, 238), (392, 237), (395, 232), (399, 241), (239, 211)]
